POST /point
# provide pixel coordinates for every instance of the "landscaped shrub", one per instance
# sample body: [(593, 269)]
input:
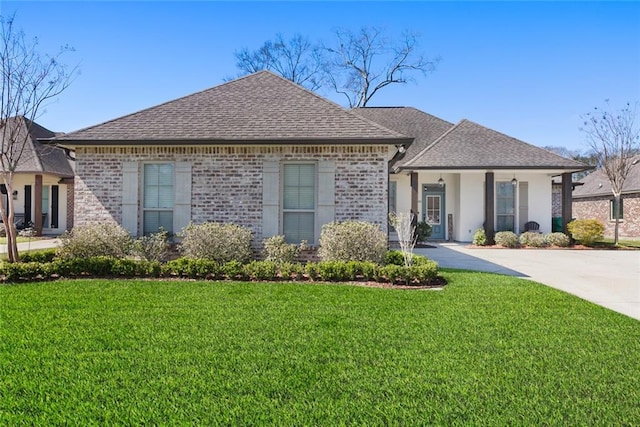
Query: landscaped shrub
[(529, 238), (423, 231), (92, 240), (193, 268), (261, 270), (480, 237), (352, 241), (395, 257), (557, 239), (277, 250), (154, 247), (586, 231), (44, 255), (216, 242), (508, 239)]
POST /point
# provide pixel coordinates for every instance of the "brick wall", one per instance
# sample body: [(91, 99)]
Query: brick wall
[(598, 208), (227, 181), (556, 200), (70, 205)]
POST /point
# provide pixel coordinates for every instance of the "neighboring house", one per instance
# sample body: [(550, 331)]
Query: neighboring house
[(463, 177), (594, 200), (265, 153), (43, 180)]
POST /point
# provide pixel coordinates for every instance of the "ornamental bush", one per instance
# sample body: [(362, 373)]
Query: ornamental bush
[(529, 238), (508, 239), (216, 242), (352, 241), (93, 240), (586, 231), (277, 250), (154, 247), (480, 237), (557, 239)]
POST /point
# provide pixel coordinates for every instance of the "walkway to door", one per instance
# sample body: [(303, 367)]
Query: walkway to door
[(605, 277)]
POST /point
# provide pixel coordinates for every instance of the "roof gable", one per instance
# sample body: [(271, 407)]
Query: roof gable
[(423, 127), (468, 145), (261, 107), (597, 183), (36, 157)]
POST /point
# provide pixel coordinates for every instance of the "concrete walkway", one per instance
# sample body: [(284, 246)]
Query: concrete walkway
[(605, 277)]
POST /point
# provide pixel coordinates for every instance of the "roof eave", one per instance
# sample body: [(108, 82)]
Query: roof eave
[(198, 142)]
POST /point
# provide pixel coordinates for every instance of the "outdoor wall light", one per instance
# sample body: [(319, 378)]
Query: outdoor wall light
[(514, 181), (401, 149), (441, 181)]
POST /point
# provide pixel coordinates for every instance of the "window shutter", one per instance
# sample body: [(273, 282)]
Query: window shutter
[(326, 211), (270, 198), (130, 197), (523, 200), (182, 207)]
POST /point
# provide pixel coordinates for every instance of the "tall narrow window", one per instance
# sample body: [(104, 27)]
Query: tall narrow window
[(612, 210), (299, 202), (158, 198), (393, 188), (505, 206), (45, 206)]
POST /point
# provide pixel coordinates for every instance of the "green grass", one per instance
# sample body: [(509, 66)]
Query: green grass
[(486, 350), (608, 243)]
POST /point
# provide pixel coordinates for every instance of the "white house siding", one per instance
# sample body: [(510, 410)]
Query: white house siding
[(20, 180), (227, 181), (464, 198)]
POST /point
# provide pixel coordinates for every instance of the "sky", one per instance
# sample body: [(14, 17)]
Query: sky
[(526, 69)]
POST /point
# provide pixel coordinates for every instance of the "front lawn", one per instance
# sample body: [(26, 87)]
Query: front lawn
[(486, 350)]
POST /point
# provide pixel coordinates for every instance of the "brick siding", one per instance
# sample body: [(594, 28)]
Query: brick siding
[(227, 181), (556, 200), (598, 208)]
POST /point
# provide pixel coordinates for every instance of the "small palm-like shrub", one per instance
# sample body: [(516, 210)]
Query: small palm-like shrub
[(352, 241), (586, 231), (216, 242), (508, 239), (557, 239), (92, 240), (535, 240), (277, 250), (480, 237)]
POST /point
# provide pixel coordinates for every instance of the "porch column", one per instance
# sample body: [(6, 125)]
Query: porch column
[(567, 213), (489, 211), (414, 193), (37, 213)]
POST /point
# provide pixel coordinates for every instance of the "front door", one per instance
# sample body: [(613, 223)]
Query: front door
[(433, 211)]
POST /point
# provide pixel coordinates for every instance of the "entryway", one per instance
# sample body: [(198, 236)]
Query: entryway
[(433, 209)]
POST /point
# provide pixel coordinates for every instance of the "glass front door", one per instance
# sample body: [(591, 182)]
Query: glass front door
[(433, 212)]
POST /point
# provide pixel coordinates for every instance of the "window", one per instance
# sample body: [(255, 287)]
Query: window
[(299, 202), (50, 206), (432, 215), (158, 198), (393, 186), (505, 206), (612, 210)]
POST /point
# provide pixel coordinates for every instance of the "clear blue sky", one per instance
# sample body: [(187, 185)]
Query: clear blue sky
[(527, 69)]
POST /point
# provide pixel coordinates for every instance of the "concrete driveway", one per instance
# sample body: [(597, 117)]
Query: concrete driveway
[(607, 278)]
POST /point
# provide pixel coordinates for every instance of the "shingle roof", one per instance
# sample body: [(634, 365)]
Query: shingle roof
[(468, 145), (597, 183), (36, 157), (423, 127), (259, 108)]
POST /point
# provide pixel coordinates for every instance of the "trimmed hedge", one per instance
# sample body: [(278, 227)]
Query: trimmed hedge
[(423, 271)]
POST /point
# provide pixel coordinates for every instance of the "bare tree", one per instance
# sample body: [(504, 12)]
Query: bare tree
[(361, 63), (29, 79), (614, 137), (296, 59)]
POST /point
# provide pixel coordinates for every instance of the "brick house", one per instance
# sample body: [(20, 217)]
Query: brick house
[(43, 179), (265, 153), (594, 200)]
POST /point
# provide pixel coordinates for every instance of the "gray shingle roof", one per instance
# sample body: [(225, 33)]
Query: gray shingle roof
[(597, 183), (423, 127), (36, 157), (259, 108), (469, 145)]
